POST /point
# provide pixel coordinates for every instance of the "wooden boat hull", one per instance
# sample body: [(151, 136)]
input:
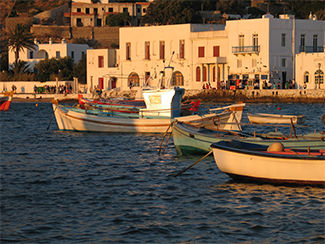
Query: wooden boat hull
[(189, 139), (69, 119), (5, 100), (266, 167), (275, 118)]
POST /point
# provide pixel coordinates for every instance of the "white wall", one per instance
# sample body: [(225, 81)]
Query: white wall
[(308, 62), (50, 50)]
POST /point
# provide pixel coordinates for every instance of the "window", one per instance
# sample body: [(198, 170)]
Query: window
[(241, 43), (306, 77), (87, 11), (178, 79), (100, 61), (214, 74), (79, 23), (72, 54), (198, 73), (283, 40), (239, 63), (283, 62), (255, 42), (95, 11), (133, 80), (254, 63), (128, 51), (78, 10), (125, 10), (201, 52), (303, 40), (147, 50), (31, 54), (147, 78), (216, 51), (139, 10), (57, 54), (319, 77), (101, 83), (110, 10), (204, 73), (315, 37), (162, 50), (182, 49)]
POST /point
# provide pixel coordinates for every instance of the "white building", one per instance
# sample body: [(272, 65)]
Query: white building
[(310, 68), (265, 49), (250, 50), (49, 50)]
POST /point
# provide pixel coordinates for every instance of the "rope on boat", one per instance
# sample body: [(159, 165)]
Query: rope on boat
[(193, 164), (164, 139), (57, 104)]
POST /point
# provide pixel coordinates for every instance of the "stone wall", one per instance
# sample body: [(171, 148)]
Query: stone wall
[(12, 22), (272, 96), (105, 36)]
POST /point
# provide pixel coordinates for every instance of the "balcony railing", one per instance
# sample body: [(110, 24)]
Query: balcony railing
[(311, 49), (245, 49)]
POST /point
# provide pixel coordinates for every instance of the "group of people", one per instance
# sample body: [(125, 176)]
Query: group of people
[(14, 88), (63, 89)]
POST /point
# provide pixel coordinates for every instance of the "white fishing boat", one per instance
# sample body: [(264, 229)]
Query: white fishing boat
[(161, 107), (273, 164), (262, 118), (5, 100)]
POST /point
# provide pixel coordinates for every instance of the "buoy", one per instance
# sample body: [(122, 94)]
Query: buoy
[(276, 147), (36, 104), (279, 108)]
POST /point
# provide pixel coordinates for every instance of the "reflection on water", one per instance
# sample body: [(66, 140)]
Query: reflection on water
[(69, 187)]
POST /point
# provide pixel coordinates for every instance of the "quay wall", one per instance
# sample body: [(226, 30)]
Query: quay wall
[(215, 96)]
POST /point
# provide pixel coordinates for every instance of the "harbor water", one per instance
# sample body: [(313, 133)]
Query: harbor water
[(72, 187)]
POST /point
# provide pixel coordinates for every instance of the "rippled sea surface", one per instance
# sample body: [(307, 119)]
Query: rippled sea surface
[(70, 187)]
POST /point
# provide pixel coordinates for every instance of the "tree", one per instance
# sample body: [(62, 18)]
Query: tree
[(118, 19), (49, 69), (20, 38), (80, 70), (164, 12)]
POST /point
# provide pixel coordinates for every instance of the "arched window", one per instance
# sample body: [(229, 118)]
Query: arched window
[(306, 77), (178, 79), (198, 73), (133, 80), (319, 77), (204, 73)]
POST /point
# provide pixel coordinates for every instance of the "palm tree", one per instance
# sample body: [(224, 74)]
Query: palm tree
[(20, 38)]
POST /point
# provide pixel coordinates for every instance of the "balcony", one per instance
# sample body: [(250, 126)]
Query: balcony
[(246, 50), (311, 49)]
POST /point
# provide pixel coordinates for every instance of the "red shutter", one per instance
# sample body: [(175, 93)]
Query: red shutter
[(147, 50), (201, 52), (216, 51), (182, 50), (101, 83), (204, 73), (198, 74), (162, 51), (100, 61)]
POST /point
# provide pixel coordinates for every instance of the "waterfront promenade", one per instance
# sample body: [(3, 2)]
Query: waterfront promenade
[(210, 95)]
